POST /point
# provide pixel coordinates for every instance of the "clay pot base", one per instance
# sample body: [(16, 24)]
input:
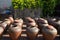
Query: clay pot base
[(32, 36), (15, 32), (49, 37), (32, 32), (15, 36)]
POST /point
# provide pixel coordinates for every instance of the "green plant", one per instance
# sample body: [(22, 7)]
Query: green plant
[(48, 7), (21, 4)]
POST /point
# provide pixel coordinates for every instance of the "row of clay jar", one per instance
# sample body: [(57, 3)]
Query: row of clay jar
[(13, 27), (34, 26), (40, 25)]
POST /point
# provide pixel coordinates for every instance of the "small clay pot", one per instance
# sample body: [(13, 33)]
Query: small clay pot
[(32, 32), (19, 22), (15, 32), (16, 29), (2, 27), (52, 21), (41, 23), (55, 23), (49, 32), (30, 21)]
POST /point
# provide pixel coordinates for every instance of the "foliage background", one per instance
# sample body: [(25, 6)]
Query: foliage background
[(47, 6)]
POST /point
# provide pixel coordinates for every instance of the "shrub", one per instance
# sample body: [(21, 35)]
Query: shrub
[(47, 6)]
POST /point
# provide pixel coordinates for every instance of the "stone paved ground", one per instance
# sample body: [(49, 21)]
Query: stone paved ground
[(26, 38)]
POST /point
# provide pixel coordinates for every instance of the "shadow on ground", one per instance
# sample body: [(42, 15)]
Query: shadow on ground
[(26, 38)]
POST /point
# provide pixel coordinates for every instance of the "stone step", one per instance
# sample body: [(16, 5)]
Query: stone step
[(25, 35)]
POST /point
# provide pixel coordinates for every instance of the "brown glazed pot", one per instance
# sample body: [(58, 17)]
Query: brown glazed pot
[(19, 22), (16, 29), (4, 24), (52, 21), (2, 27), (15, 32), (55, 23), (30, 21), (49, 32), (41, 22), (32, 32)]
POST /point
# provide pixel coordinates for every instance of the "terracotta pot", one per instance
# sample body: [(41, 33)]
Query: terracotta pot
[(32, 32), (16, 29), (19, 22), (41, 23), (49, 32), (52, 21), (15, 32), (55, 23), (2, 27), (4, 24), (30, 21)]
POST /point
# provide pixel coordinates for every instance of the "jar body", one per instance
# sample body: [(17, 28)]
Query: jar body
[(32, 32), (15, 32), (49, 34)]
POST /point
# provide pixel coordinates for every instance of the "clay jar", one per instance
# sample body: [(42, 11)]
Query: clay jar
[(31, 29), (3, 25), (30, 21), (55, 23), (15, 30), (19, 22), (32, 32), (49, 32), (41, 23), (52, 21)]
